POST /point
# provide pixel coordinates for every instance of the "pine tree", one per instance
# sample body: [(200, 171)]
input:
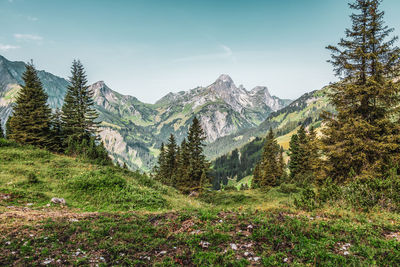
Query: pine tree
[(268, 169), (304, 161), (78, 113), (294, 155), (78, 116), (282, 175), (314, 152), (183, 163), (56, 132), (30, 122), (362, 137), (1, 130), (198, 161), (204, 181), (160, 167), (170, 160)]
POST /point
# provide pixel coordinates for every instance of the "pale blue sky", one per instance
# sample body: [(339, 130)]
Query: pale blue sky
[(148, 48)]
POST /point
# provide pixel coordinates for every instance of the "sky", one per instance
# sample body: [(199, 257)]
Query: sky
[(148, 48)]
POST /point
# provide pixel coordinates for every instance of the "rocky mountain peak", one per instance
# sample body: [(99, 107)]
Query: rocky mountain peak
[(260, 90), (224, 78)]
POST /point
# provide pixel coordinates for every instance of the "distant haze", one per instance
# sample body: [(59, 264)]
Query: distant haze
[(149, 48)]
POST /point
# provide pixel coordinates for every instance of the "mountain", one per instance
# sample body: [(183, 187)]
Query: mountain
[(305, 109), (242, 151), (133, 131)]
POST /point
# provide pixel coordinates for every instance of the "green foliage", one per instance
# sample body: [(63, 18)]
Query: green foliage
[(57, 142), (307, 200), (270, 169), (288, 188), (363, 135), (185, 167), (78, 114), (30, 122)]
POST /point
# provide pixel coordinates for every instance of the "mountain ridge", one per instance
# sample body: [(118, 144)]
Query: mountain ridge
[(133, 131)]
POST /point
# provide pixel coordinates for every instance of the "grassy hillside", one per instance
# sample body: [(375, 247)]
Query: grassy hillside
[(32, 175), (116, 217)]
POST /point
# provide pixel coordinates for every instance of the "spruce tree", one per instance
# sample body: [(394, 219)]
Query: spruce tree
[(268, 171), (30, 122), (183, 163), (170, 160), (197, 158), (304, 161), (78, 113), (362, 137), (294, 154), (56, 132), (282, 175), (160, 167)]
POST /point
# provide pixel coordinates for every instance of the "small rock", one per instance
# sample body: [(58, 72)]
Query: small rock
[(29, 204), (256, 258), (57, 200), (204, 244), (47, 261), (162, 252), (193, 194), (285, 260), (48, 205), (195, 232), (250, 227), (234, 246), (220, 221), (8, 243)]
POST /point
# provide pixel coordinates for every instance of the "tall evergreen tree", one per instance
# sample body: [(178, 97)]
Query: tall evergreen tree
[(294, 153), (304, 160), (30, 122), (198, 160), (78, 113), (182, 181), (363, 137), (268, 171), (160, 168), (282, 175), (170, 160), (56, 132)]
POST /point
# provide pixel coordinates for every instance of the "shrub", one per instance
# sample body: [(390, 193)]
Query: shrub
[(32, 178), (288, 188), (307, 200)]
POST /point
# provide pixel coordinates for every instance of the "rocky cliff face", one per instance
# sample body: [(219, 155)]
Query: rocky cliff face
[(133, 131)]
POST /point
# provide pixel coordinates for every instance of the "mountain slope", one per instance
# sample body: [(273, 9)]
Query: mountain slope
[(305, 110)]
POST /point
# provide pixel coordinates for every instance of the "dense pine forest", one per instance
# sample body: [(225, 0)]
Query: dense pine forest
[(320, 186)]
